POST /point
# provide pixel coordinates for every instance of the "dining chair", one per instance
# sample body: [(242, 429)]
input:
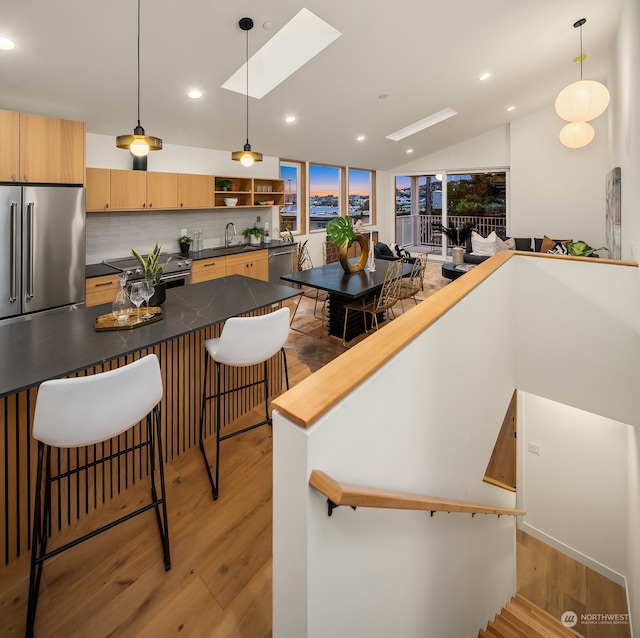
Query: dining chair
[(86, 411), (244, 342), (385, 300), (304, 263), (329, 256), (410, 286)]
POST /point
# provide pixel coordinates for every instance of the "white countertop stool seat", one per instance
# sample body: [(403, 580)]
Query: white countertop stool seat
[(85, 411), (244, 341)]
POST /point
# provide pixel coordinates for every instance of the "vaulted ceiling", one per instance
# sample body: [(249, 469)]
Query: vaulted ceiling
[(77, 59)]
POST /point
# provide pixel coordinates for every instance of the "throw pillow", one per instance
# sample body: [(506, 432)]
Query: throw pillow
[(549, 245), (505, 244), (483, 246), (558, 249)]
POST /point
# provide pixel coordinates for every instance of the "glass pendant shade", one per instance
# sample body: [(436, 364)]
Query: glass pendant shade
[(582, 101), (577, 134)]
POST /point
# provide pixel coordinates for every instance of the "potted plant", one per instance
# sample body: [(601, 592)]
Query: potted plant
[(223, 184), (342, 234), (581, 249), (153, 269), (458, 237), (185, 243), (254, 234)]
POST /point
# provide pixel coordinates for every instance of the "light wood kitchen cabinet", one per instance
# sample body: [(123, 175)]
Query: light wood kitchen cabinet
[(252, 264), (195, 191), (128, 190), (10, 147), (207, 269), (98, 189), (38, 149), (162, 191), (99, 290)]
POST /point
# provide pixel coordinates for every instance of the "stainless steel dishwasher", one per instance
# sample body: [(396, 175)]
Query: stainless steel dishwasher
[(282, 261)]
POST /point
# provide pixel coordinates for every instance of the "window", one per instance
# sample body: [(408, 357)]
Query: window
[(290, 213), (360, 185), (403, 195), (324, 195)]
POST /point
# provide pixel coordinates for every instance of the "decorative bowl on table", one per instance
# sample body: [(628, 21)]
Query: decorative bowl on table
[(230, 201)]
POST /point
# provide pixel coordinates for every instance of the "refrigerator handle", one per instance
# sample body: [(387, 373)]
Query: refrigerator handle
[(14, 252), (30, 231)]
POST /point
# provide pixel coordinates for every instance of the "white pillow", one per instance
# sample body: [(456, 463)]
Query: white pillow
[(481, 246), (509, 244)]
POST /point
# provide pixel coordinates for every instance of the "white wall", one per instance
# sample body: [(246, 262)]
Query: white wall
[(557, 191), (375, 573), (581, 470), (576, 337), (624, 151)]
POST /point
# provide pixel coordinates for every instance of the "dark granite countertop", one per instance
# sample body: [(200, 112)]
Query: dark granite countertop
[(57, 344), (97, 270)]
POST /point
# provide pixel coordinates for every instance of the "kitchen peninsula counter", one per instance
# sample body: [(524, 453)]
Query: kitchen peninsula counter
[(62, 343)]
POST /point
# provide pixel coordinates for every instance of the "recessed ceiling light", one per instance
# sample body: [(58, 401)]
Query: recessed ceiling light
[(511, 108), (301, 39), (484, 76), (409, 150), (360, 138), (6, 44), (290, 118), (195, 94), (428, 121)]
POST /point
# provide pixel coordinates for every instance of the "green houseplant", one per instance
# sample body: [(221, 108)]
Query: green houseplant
[(151, 266), (342, 234), (581, 249), (254, 234), (184, 242), (223, 185)]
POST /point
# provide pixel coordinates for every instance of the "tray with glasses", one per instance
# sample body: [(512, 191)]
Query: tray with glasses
[(121, 322)]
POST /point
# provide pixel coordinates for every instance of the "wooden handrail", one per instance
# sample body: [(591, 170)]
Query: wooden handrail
[(307, 401), (361, 496)]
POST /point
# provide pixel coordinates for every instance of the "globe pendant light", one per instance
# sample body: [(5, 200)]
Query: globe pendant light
[(584, 100), (246, 156), (139, 143), (577, 134)]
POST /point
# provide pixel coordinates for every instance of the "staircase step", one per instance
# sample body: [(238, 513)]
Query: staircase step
[(544, 617), (523, 619)]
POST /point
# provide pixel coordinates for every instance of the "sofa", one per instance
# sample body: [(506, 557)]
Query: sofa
[(391, 253), (479, 248)]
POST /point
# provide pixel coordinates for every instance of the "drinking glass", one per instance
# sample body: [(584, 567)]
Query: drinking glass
[(147, 292), (136, 295)]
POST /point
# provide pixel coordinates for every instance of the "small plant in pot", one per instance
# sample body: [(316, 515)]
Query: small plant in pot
[(458, 237), (253, 235), (185, 243), (153, 270)]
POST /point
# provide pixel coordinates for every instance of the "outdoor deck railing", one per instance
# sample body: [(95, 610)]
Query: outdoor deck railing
[(425, 234)]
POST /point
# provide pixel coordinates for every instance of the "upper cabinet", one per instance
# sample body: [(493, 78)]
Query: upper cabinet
[(195, 191), (40, 149), (125, 190)]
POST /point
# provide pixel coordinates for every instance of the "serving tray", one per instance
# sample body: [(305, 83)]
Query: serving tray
[(107, 322)]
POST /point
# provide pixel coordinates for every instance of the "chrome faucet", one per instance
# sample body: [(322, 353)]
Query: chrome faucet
[(226, 233)]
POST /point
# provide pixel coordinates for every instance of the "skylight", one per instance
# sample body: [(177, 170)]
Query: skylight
[(302, 38), (420, 125)]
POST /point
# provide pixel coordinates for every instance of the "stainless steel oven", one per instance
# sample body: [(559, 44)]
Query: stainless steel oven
[(175, 279), (177, 269)]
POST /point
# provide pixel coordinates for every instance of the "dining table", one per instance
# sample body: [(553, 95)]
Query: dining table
[(345, 288)]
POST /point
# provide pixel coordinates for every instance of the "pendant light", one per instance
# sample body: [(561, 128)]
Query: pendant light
[(577, 134), (584, 100), (139, 144), (246, 156)]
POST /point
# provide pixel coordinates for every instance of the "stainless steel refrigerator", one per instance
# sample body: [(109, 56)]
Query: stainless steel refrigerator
[(42, 255)]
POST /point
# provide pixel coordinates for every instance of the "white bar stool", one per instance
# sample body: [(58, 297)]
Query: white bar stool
[(245, 341), (82, 411)]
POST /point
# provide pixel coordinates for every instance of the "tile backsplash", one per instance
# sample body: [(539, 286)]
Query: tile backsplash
[(111, 235)]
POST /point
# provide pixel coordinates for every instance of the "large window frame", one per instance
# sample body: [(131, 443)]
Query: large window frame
[(361, 194), (326, 200)]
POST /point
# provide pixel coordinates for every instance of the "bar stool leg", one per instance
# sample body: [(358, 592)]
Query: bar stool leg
[(218, 426), (202, 420), (153, 422)]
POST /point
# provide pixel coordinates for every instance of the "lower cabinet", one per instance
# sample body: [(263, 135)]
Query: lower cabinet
[(207, 269), (252, 264), (100, 290)]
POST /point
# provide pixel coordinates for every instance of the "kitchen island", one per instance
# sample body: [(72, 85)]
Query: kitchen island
[(65, 344)]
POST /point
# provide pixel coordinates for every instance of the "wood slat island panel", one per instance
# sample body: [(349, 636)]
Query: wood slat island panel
[(65, 344)]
